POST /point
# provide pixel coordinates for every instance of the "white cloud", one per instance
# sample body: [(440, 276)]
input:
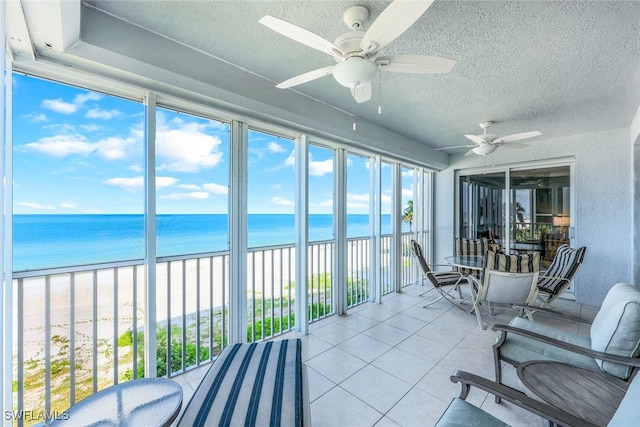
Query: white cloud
[(115, 148), (136, 168), (188, 148), (59, 106), (37, 206), (282, 201), (274, 147), (90, 127), (319, 168), (323, 204), (190, 187), (82, 98), (291, 160), (407, 192), (35, 117), (199, 195), (216, 188), (62, 145), (67, 205), (136, 183), (97, 113), (357, 201)]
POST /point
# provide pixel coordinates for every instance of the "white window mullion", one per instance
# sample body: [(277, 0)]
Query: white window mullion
[(396, 217), (150, 320), (302, 234), (339, 283), (238, 233), (375, 268)]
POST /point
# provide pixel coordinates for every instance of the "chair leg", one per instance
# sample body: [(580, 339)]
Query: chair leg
[(476, 307)]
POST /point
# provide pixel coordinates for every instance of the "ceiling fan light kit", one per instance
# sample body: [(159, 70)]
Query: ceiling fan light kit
[(354, 72), (356, 51), (483, 150)]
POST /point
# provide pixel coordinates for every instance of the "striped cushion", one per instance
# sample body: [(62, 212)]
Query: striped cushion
[(444, 279), (564, 265), (471, 247), (466, 246), (524, 263), (251, 384)]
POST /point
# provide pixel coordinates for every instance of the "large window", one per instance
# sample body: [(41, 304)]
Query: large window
[(77, 176), (192, 183)]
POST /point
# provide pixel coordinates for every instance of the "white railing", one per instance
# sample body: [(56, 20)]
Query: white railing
[(79, 330)]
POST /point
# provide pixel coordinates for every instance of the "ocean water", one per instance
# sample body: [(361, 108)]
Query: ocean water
[(47, 241)]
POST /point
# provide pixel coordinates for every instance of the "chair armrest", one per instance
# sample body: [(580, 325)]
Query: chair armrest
[(516, 397), (606, 357), (550, 312)]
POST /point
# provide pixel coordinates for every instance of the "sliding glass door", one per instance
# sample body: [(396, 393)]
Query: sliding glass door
[(524, 209)]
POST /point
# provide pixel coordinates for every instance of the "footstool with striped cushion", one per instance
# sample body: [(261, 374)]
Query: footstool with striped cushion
[(258, 384)]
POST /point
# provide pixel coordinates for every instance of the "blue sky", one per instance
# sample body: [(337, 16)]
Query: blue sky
[(77, 151)]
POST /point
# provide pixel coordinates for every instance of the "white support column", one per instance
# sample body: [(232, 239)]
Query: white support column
[(6, 203), (339, 283), (302, 234), (150, 320), (238, 233), (375, 216), (396, 218)]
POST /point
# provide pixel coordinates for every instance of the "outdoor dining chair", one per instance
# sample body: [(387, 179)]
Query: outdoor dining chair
[(557, 278), (443, 282), (507, 280)]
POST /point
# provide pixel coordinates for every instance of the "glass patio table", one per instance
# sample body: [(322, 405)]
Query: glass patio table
[(143, 402), (471, 262)]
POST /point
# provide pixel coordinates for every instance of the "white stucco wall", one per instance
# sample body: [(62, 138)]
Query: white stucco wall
[(604, 203)]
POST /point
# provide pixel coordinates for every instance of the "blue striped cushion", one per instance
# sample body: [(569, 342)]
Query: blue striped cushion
[(251, 384), (564, 264)]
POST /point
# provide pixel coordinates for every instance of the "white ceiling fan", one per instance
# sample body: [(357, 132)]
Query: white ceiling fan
[(487, 143), (356, 52)]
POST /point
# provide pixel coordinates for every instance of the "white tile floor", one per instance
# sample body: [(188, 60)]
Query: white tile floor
[(389, 364)]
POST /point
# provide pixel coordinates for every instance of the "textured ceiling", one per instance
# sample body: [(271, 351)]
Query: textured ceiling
[(561, 67)]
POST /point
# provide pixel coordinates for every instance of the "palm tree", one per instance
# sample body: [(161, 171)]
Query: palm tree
[(407, 214)]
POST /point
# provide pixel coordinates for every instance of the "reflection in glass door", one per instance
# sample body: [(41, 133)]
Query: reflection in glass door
[(482, 205), (540, 213)]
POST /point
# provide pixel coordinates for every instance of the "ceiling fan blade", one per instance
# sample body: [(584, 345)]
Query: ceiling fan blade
[(476, 139), (416, 64), (306, 77), (451, 148), (361, 93), (300, 35), (518, 136), (392, 22), (470, 152), (517, 145)]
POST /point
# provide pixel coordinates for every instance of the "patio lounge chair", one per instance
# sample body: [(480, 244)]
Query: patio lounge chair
[(557, 278), (439, 280), (507, 280), (612, 347)]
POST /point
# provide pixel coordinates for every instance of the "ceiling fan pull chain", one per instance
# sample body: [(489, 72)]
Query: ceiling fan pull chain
[(353, 112)]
